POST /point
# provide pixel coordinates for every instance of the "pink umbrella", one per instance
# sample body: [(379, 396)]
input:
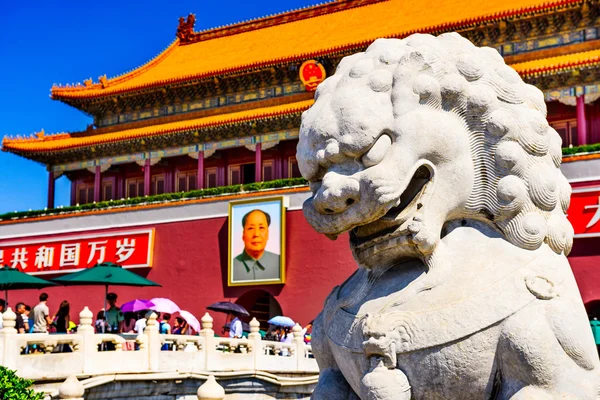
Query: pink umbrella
[(190, 319), (164, 305)]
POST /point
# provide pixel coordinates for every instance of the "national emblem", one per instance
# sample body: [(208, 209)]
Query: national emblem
[(438, 159)]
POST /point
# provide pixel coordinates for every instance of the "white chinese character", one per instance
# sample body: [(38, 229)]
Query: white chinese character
[(596, 216), (19, 258), (44, 257), (69, 255), (125, 249), (1, 258), (94, 248)]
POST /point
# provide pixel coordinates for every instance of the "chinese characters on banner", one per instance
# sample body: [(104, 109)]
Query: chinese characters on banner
[(584, 211), (130, 249)]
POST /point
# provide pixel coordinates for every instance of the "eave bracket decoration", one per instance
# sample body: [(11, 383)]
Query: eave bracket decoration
[(103, 168), (568, 96), (142, 162)]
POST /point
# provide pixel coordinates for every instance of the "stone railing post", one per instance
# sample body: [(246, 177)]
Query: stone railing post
[(152, 342), (211, 390), (89, 349), (208, 334), (300, 349), (8, 339), (256, 346), (71, 388)]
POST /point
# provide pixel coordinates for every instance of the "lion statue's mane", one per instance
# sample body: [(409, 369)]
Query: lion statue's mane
[(520, 188)]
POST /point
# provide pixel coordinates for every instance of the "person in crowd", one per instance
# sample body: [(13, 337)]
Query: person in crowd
[(235, 328), (62, 321), (140, 324), (285, 335), (41, 315), (29, 318), (129, 322), (164, 327), (22, 322), (101, 327), (114, 315), (2, 309), (129, 327), (63, 317), (271, 334), (100, 324), (180, 326)]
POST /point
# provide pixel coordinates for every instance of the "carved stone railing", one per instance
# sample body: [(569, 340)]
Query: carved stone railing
[(43, 356)]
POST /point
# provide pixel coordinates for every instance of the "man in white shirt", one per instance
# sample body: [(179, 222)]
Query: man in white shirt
[(140, 325), (235, 328), (41, 315)]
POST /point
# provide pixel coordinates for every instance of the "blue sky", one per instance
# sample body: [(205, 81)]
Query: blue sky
[(42, 43)]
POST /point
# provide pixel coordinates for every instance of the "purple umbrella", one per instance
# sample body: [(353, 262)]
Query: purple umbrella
[(137, 305), (164, 305)]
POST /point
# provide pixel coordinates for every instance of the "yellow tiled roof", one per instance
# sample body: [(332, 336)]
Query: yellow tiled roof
[(567, 61), (305, 38), (63, 141)]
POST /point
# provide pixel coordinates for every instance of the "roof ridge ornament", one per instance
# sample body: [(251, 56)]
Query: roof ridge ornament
[(185, 30)]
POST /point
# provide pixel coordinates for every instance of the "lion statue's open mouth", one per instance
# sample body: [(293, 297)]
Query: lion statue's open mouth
[(398, 220)]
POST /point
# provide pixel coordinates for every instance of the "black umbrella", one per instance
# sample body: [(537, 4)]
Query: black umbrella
[(11, 279), (229, 308)]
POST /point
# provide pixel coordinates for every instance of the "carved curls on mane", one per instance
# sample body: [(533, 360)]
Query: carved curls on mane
[(519, 187)]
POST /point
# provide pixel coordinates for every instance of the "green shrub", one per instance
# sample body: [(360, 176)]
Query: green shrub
[(14, 388), (586, 148), (194, 194)]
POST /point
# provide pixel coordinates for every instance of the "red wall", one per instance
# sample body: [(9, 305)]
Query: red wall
[(585, 262), (190, 260)]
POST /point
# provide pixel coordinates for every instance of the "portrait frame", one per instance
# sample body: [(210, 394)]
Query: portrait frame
[(276, 208)]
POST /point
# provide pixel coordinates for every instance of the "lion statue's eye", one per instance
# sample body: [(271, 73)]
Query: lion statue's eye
[(377, 152)]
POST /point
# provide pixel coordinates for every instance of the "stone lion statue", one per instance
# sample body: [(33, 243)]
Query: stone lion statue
[(438, 160)]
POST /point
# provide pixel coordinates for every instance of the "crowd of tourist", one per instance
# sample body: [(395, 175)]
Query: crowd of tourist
[(113, 320)]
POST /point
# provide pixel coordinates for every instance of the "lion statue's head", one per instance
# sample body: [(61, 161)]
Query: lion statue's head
[(418, 132)]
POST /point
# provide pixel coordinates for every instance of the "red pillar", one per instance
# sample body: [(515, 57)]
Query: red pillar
[(97, 184), (74, 192), (200, 173), (50, 189), (147, 178), (258, 170), (581, 121)]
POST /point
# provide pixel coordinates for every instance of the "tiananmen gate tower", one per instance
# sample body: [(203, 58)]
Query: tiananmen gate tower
[(214, 119)]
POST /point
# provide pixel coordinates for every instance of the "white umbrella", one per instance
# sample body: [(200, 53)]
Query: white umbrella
[(190, 319), (280, 320)]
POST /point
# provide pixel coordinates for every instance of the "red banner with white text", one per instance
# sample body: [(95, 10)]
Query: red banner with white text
[(130, 249), (584, 211)]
